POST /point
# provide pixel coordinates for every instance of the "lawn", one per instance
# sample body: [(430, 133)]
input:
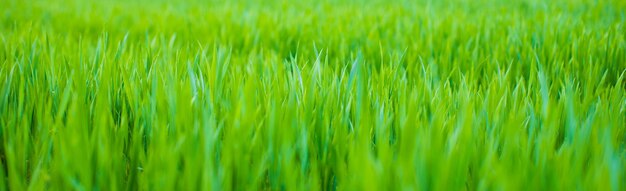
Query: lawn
[(313, 95)]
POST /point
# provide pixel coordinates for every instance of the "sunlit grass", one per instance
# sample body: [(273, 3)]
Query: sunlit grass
[(313, 95)]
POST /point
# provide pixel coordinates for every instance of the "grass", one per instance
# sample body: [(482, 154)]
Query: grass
[(313, 95)]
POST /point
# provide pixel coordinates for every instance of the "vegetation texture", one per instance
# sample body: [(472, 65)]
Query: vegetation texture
[(313, 95)]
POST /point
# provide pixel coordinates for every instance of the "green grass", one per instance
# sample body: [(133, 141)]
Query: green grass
[(313, 95)]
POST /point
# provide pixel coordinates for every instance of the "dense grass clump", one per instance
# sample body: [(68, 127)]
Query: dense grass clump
[(313, 95)]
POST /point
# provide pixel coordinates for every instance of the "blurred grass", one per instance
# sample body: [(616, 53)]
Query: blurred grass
[(312, 95)]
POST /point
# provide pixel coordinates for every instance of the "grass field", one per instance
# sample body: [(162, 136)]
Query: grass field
[(313, 95)]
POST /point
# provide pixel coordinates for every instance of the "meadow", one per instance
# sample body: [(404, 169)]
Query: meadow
[(313, 95)]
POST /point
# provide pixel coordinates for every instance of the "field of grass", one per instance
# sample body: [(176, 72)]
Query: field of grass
[(313, 95)]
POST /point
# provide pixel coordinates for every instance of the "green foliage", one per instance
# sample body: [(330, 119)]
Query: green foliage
[(313, 95)]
